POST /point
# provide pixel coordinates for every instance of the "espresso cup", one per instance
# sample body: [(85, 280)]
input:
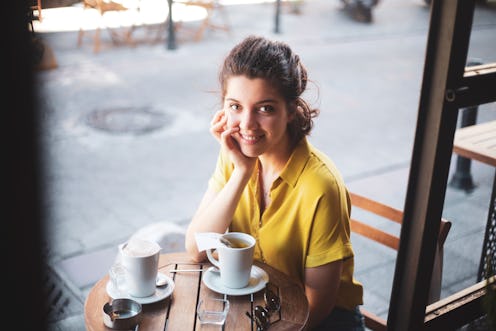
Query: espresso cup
[(234, 262), (139, 260)]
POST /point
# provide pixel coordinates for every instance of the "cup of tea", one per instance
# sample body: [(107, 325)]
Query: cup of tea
[(235, 258), (138, 263)]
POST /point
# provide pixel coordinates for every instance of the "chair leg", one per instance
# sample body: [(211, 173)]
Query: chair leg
[(227, 26), (203, 27), (96, 40), (80, 37), (40, 17)]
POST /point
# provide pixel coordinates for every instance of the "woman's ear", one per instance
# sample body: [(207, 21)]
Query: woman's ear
[(292, 109)]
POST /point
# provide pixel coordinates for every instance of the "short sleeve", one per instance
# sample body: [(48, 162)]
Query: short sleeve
[(330, 234), (221, 173)]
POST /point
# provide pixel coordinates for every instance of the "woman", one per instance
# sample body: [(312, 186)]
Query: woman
[(272, 183)]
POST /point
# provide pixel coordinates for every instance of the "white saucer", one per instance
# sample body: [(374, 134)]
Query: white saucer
[(258, 279), (160, 292)]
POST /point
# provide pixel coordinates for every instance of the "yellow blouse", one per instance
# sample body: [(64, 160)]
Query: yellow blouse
[(306, 223)]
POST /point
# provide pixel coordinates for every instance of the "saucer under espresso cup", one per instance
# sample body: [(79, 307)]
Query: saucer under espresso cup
[(161, 292)]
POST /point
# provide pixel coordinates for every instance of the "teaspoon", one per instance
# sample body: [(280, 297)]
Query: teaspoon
[(225, 242), (161, 281), (210, 269)]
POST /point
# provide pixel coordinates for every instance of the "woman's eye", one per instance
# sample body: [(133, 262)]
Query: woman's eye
[(266, 109), (234, 107)]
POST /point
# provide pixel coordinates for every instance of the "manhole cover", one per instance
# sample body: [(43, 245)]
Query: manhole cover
[(127, 120)]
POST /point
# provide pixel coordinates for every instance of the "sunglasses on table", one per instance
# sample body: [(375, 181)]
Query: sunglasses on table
[(261, 315)]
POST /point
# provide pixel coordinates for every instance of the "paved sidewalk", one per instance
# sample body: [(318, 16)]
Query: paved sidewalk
[(126, 139)]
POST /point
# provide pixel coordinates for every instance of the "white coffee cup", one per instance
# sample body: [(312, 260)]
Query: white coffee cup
[(235, 262), (139, 260)]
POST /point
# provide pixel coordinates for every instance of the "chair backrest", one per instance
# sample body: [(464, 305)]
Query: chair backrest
[(104, 6), (392, 241)]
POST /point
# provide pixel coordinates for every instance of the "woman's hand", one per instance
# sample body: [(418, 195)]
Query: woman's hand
[(223, 134), (218, 124)]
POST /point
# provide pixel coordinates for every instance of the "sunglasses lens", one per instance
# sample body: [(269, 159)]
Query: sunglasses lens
[(261, 315), (262, 318), (273, 302)]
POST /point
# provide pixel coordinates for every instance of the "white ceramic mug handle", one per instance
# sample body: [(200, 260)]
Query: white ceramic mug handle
[(212, 259)]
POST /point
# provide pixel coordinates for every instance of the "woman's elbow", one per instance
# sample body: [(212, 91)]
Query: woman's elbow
[(193, 253)]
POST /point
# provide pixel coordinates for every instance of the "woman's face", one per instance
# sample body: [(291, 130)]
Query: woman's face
[(260, 112)]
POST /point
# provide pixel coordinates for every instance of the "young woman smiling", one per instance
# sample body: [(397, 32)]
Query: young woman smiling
[(272, 183)]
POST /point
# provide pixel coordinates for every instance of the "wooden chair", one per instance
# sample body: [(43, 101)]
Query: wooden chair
[(388, 213), (103, 7), (34, 14), (212, 8), (36, 6)]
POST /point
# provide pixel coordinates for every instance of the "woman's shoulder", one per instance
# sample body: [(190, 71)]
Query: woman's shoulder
[(319, 176), (320, 165)]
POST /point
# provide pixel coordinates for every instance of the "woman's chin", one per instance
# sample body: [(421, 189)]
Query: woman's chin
[(250, 152)]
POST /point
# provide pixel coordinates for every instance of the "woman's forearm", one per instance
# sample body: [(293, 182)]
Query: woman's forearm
[(216, 211)]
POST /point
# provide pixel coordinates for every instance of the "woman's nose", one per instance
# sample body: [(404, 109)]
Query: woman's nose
[(247, 120)]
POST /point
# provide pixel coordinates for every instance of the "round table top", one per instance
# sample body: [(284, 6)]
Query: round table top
[(178, 311)]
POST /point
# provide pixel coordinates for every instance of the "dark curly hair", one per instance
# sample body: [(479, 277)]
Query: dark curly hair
[(259, 57)]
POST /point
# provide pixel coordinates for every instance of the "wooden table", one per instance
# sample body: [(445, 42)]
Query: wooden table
[(478, 142), (178, 312)]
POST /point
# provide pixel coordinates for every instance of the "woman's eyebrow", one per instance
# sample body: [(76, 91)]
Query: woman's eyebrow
[(257, 103), (266, 101)]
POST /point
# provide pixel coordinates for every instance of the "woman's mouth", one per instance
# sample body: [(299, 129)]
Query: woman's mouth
[(250, 139)]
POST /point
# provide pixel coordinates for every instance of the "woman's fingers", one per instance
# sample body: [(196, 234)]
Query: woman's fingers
[(218, 124), (218, 114), (227, 140), (240, 161)]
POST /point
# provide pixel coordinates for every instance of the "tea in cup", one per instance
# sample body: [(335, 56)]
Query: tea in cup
[(235, 259), (139, 267)]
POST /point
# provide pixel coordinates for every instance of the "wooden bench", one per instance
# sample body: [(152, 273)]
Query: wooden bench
[(363, 228)]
